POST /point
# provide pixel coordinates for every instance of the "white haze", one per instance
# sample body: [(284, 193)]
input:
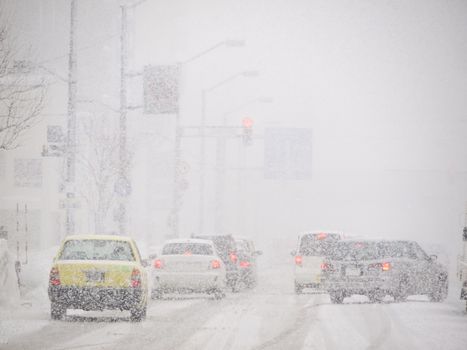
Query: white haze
[(382, 85)]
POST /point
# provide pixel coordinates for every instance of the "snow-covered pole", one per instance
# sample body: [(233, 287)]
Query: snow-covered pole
[(71, 121), (177, 167), (123, 120)]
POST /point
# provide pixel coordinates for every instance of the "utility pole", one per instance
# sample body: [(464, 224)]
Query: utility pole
[(123, 183), (71, 122), (202, 164), (177, 197)]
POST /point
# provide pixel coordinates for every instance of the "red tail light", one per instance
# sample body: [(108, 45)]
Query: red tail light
[(322, 236), (245, 264), (54, 277), (326, 267), (233, 257), (386, 266), (187, 253), (135, 278), (215, 264), (158, 264), (298, 260)]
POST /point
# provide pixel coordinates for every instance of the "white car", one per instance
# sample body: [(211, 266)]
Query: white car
[(188, 266), (312, 248)]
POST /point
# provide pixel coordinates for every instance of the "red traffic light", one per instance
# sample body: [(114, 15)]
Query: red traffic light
[(247, 122)]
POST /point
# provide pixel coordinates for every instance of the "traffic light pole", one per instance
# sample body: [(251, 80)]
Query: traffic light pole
[(220, 181)]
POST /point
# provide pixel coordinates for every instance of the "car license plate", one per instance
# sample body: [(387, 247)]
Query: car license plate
[(353, 271), (95, 276)]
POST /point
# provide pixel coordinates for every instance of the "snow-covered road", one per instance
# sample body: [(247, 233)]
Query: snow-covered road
[(269, 317)]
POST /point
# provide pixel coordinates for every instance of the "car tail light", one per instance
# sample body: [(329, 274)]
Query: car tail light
[(326, 267), (215, 264), (244, 264), (298, 260), (322, 236), (233, 257), (386, 266), (158, 264), (187, 253), (135, 278), (54, 277)]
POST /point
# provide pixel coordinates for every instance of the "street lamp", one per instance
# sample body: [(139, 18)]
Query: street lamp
[(233, 43), (202, 175)]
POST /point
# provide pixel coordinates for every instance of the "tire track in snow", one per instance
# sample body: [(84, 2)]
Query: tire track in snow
[(293, 337)]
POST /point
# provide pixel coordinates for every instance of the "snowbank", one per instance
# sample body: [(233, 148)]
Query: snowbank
[(9, 290)]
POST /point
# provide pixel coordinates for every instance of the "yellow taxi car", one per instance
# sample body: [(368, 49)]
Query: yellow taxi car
[(97, 272)]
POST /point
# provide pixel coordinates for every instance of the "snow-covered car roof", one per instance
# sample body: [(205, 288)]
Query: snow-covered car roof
[(99, 237), (189, 240)]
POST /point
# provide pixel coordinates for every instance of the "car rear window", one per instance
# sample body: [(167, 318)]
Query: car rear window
[(317, 244), (224, 245), (94, 249), (355, 251), (372, 250), (187, 248)]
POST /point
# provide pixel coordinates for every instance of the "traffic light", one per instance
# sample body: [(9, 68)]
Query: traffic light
[(247, 124)]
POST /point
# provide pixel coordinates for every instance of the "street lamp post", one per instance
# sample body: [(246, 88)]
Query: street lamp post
[(202, 172), (176, 205), (123, 185)]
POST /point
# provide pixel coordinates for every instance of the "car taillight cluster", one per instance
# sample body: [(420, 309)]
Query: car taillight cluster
[(298, 260), (215, 264), (244, 264), (54, 277), (135, 278), (233, 257), (386, 266), (326, 267), (158, 264)]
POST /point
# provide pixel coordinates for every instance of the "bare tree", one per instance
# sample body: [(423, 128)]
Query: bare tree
[(21, 98), (98, 159)]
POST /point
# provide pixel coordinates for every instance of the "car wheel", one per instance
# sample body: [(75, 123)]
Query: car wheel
[(298, 288), (376, 296), (218, 294), (57, 311), (156, 294), (137, 314), (235, 287), (440, 292), (337, 297), (402, 292)]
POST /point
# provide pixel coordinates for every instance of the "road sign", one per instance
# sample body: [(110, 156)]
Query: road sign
[(287, 154), (161, 89)]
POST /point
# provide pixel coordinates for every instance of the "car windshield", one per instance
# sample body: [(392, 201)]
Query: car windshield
[(187, 249), (93, 249), (317, 244)]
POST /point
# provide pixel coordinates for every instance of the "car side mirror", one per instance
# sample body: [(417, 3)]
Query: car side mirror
[(152, 256), (293, 252), (257, 253), (146, 262)]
